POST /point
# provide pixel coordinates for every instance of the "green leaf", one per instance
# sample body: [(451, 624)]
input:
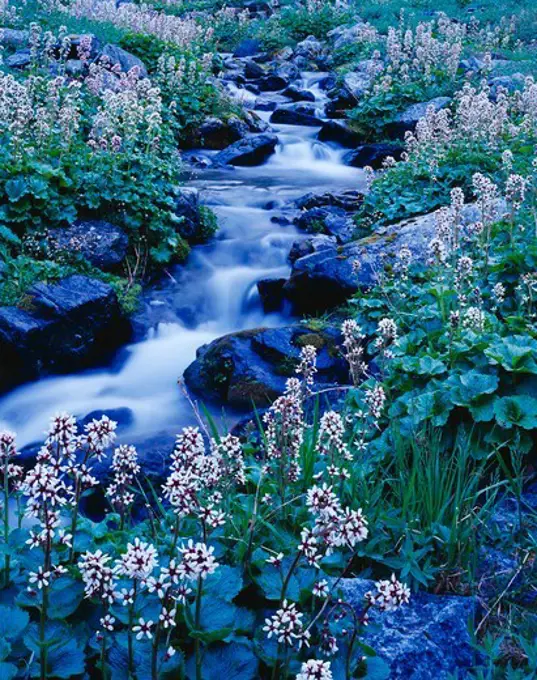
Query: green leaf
[(15, 188), (429, 366), (521, 411), (5, 649), (225, 583), (12, 622), (471, 385), (66, 594), (7, 671), (236, 660), (516, 353)]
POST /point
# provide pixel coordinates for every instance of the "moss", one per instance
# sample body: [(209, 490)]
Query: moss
[(315, 339)]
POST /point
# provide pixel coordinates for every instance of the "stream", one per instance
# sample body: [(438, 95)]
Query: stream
[(214, 294)]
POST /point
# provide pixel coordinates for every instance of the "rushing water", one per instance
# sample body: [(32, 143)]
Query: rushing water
[(214, 294)]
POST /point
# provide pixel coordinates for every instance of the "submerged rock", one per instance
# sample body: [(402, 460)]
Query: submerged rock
[(68, 325), (349, 199), (427, 638), (253, 366), (252, 150), (104, 245)]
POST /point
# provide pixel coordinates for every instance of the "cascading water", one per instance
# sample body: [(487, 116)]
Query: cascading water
[(214, 294)]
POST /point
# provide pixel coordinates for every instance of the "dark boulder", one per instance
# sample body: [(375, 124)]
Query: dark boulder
[(341, 100), (187, 207), (117, 56), (253, 366), (252, 150), (341, 133), (428, 638), (247, 48), (331, 221), (253, 71), (104, 245), (296, 114), (272, 83), (407, 120), (298, 95), (216, 134), (256, 7), (350, 200), (372, 155), (69, 325), (271, 294)]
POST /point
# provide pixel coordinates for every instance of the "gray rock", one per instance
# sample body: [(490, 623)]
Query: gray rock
[(309, 49), (11, 37), (75, 68), (350, 200), (20, 59), (124, 59), (69, 325), (407, 120), (330, 221), (326, 278), (306, 246), (103, 244), (359, 81), (425, 639), (344, 36), (252, 150), (253, 366)]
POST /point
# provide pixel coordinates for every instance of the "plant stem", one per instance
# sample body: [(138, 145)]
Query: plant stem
[(197, 645), (6, 519)]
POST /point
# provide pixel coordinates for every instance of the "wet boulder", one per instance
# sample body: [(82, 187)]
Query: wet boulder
[(252, 70), (104, 245), (272, 83), (271, 294), (350, 200), (64, 326), (341, 100), (253, 366), (372, 155), (430, 637), (296, 114), (331, 221), (215, 134), (407, 120), (252, 150), (297, 94), (188, 209), (341, 133)]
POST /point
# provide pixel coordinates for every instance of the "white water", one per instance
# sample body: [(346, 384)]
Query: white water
[(214, 294)]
